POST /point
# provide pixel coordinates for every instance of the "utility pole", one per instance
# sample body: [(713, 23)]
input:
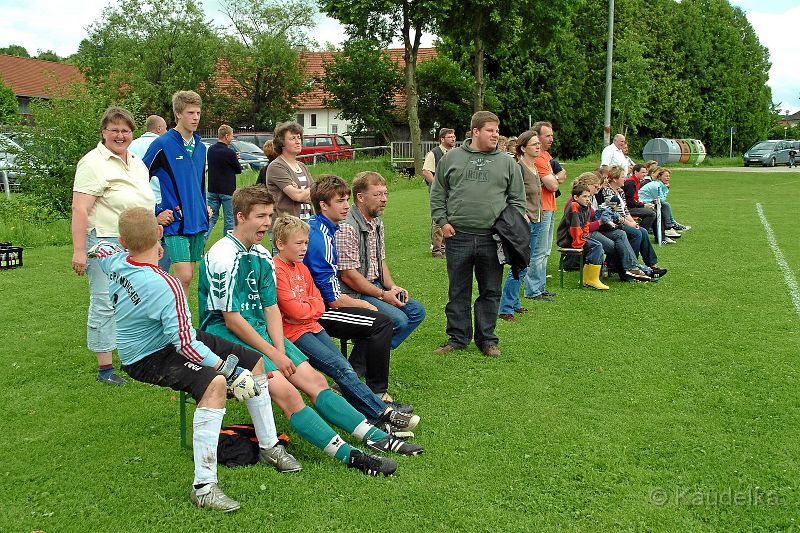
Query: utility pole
[(609, 60)]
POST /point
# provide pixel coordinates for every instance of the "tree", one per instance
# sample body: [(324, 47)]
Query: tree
[(151, 48), (9, 107), (66, 128), (15, 50), (445, 94), (263, 56), (385, 20), (48, 55), (363, 80)]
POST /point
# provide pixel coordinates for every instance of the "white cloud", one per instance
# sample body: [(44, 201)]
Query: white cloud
[(774, 32)]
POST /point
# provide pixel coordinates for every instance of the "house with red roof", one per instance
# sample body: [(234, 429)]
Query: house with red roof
[(315, 116), (36, 78)]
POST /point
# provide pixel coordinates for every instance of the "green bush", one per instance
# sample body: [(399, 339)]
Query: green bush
[(30, 221)]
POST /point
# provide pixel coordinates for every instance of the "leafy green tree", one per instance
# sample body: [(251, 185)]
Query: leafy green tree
[(15, 50), (385, 20), (9, 107), (363, 80), (48, 55), (263, 56), (151, 48), (445, 94), (65, 130)]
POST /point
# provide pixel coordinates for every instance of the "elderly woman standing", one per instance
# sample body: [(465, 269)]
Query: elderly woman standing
[(108, 180), (288, 180)]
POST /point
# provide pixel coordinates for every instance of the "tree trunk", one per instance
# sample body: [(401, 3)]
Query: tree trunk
[(477, 67), (412, 96)]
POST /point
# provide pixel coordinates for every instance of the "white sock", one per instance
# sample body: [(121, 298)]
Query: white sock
[(205, 439), (260, 409)]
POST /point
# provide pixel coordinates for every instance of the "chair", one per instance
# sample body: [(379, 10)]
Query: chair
[(571, 252)]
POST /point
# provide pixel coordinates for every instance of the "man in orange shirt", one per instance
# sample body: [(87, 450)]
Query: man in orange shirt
[(551, 179)]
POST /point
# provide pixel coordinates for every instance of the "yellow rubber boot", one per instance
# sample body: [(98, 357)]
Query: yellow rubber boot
[(591, 277)]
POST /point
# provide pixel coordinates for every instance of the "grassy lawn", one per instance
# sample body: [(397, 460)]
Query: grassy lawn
[(668, 406)]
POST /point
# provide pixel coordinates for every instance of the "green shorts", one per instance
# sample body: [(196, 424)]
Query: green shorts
[(185, 249), (292, 352)]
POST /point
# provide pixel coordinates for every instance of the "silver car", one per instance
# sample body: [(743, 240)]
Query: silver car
[(768, 153)]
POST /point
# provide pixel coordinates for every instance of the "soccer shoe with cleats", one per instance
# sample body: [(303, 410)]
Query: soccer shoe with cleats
[(211, 497), (403, 421), (370, 464), (113, 379), (278, 457), (394, 444)]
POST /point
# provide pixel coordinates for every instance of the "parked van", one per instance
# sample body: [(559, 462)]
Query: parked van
[(768, 153), (323, 143)]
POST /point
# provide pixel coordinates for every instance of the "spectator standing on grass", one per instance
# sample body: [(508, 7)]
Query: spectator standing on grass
[(288, 180), (178, 160), (156, 127), (613, 154), (108, 180), (223, 166), (551, 180), (447, 140), (528, 147), (363, 269), (474, 184)]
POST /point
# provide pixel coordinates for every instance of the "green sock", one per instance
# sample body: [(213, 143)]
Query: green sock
[(338, 411), (312, 428)]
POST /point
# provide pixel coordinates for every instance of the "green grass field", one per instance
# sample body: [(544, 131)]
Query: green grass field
[(668, 406)]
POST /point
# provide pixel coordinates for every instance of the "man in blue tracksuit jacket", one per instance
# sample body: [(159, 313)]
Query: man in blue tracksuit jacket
[(177, 159)]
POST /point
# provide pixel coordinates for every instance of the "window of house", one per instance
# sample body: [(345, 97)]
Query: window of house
[(334, 128), (313, 120), (301, 119)]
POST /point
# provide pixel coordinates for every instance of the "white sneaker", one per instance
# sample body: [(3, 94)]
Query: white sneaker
[(667, 240), (672, 233)]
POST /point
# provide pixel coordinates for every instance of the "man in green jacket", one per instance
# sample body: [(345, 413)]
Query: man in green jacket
[(472, 186)]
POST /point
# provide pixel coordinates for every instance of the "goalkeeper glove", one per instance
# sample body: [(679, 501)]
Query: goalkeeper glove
[(240, 380)]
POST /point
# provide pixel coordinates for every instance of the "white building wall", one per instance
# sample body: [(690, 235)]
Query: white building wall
[(325, 119)]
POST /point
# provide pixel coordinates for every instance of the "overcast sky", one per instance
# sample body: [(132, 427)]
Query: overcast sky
[(59, 26)]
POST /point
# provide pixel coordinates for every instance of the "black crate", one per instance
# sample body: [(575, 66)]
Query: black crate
[(10, 256)]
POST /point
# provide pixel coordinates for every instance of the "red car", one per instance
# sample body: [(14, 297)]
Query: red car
[(323, 143)]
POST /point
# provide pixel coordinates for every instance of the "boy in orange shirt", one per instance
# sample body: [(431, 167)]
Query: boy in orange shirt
[(301, 305)]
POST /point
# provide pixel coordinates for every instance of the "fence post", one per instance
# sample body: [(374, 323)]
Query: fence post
[(6, 187)]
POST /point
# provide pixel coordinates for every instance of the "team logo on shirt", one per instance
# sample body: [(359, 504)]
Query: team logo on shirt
[(251, 281)]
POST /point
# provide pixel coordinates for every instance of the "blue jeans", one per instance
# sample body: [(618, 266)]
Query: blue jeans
[(101, 330), (323, 355), (593, 252), (214, 202), (510, 300), (404, 319), (537, 271), (640, 242), (468, 254)]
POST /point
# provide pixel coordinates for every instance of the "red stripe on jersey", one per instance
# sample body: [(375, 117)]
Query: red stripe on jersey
[(184, 326)]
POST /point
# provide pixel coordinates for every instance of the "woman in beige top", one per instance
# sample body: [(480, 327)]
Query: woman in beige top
[(108, 180), (288, 180), (527, 148)]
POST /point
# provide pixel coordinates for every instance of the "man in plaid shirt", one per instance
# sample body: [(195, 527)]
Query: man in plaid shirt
[(362, 258)]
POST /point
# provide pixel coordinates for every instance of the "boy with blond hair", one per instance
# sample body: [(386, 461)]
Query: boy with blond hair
[(158, 345), (301, 306)]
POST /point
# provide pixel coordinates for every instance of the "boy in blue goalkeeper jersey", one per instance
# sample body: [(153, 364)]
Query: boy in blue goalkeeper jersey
[(158, 345)]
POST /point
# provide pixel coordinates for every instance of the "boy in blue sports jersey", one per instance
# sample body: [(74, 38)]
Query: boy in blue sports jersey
[(178, 160), (238, 302), (157, 344)]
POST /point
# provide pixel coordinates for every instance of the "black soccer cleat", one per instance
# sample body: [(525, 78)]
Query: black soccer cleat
[(394, 444), (370, 464)]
